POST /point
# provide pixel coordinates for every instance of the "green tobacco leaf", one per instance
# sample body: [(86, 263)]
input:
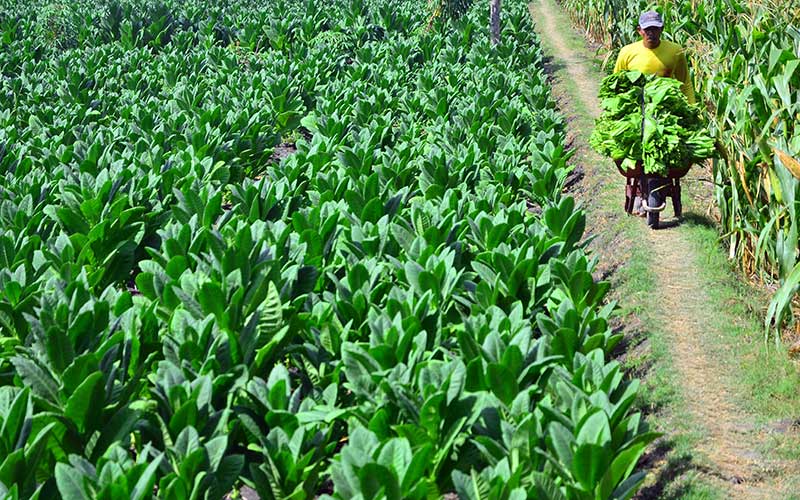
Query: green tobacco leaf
[(620, 469), (70, 483), (590, 464), (35, 377), (269, 351), (13, 291), (375, 479), (72, 222), (184, 416), (145, 283), (59, 349), (78, 371), (230, 467), (144, 485), (594, 429), (372, 211), (305, 281), (12, 468), (188, 442), (379, 424), (404, 237), (628, 488), (86, 403), (430, 414), (212, 299), (14, 419), (560, 439), (502, 382), (396, 453), (470, 487), (470, 349), (512, 359), (546, 487), (421, 462), (271, 312), (216, 450), (475, 378), (457, 382), (212, 209), (117, 429), (413, 271), (35, 450), (310, 123)]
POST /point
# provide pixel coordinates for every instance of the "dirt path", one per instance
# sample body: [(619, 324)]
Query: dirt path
[(729, 440)]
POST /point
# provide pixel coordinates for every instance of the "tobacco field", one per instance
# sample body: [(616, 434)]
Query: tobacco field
[(318, 249)]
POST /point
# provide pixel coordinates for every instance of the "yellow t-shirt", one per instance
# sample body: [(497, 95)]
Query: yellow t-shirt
[(668, 59)]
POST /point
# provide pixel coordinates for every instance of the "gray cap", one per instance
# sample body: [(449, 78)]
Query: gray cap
[(651, 19)]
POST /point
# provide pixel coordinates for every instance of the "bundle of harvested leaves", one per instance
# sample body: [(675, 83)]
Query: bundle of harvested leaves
[(646, 118)]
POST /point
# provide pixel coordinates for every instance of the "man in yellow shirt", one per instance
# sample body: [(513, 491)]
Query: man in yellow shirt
[(655, 56)]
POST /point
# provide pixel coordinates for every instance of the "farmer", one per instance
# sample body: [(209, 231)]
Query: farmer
[(656, 57)]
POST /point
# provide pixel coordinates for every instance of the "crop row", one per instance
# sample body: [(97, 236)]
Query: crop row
[(337, 264)]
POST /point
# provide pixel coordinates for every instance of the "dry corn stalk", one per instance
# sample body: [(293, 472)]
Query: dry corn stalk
[(791, 164)]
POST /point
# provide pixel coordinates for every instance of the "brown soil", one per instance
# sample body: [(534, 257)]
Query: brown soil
[(729, 439), (283, 151)]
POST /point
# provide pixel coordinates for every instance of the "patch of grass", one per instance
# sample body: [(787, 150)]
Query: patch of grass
[(674, 475), (768, 381), (692, 488)]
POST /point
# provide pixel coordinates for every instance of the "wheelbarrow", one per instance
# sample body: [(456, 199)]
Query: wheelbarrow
[(653, 190)]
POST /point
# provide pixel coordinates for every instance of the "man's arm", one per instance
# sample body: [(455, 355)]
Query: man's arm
[(622, 61), (681, 74)]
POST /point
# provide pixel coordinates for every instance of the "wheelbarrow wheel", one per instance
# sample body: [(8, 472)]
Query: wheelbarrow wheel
[(654, 199), (652, 220), (677, 206)]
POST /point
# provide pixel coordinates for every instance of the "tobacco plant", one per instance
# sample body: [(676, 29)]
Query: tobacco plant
[(297, 247)]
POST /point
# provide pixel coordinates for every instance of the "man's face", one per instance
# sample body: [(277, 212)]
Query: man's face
[(651, 35)]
